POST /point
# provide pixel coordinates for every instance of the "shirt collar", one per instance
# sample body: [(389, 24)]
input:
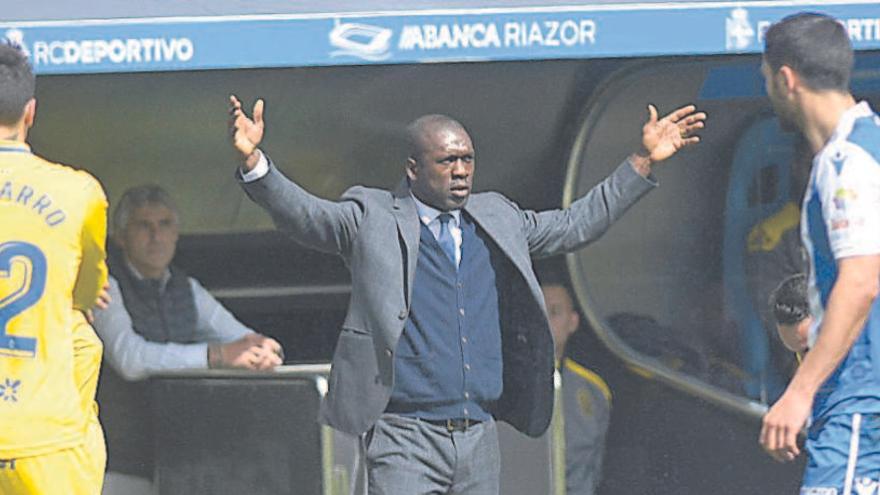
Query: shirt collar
[(14, 146), (844, 126), (163, 280), (428, 214)]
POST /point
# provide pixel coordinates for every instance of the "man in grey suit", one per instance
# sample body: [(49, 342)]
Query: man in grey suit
[(446, 328)]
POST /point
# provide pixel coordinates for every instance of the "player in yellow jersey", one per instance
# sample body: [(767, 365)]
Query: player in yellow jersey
[(51, 270)]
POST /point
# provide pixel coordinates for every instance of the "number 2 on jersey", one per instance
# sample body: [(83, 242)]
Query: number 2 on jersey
[(23, 295)]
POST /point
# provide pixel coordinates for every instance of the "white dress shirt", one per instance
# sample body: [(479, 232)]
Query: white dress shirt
[(430, 217)]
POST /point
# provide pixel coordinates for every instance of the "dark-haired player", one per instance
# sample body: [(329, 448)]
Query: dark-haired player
[(52, 269), (807, 64)]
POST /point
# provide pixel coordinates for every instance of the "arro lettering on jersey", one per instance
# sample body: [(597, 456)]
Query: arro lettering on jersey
[(26, 196)]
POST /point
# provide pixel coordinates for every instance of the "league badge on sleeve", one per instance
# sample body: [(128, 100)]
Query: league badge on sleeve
[(9, 390)]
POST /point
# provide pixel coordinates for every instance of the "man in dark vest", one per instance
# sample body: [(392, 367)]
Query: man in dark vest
[(160, 319), (446, 328)]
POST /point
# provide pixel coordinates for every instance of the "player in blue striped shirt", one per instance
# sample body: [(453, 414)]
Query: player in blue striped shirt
[(807, 64)]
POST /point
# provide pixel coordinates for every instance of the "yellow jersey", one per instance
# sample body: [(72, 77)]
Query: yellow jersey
[(52, 250)]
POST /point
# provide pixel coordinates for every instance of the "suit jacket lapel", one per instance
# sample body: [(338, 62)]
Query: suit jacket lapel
[(499, 229), (485, 216), (407, 217)]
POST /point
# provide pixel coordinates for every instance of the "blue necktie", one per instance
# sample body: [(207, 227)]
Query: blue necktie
[(445, 238)]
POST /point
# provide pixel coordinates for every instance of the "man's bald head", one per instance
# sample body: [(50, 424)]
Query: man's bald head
[(421, 131), (440, 167)]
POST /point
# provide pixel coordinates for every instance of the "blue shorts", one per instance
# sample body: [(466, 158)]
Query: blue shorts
[(844, 456)]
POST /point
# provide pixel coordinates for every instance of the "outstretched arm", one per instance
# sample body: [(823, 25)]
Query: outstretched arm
[(554, 232), (662, 138), (324, 225)]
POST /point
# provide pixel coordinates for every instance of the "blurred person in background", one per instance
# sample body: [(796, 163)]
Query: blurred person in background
[(586, 398), (774, 252), (160, 320), (791, 310)]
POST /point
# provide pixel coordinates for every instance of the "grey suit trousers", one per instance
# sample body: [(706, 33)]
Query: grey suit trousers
[(407, 456)]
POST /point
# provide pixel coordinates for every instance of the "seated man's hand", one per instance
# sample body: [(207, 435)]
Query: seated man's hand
[(104, 299), (273, 347), (102, 302), (269, 350), (253, 351)]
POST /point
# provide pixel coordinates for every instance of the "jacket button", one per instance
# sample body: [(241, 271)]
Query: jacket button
[(388, 352), (402, 314)]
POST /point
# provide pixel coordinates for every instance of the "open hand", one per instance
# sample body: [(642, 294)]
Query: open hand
[(662, 138), (246, 134)]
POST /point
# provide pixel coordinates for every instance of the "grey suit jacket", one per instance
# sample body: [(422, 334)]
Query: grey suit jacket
[(377, 234)]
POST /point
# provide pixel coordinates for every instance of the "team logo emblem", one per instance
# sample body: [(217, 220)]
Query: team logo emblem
[(842, 196), (739, 31), (364, 41)]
